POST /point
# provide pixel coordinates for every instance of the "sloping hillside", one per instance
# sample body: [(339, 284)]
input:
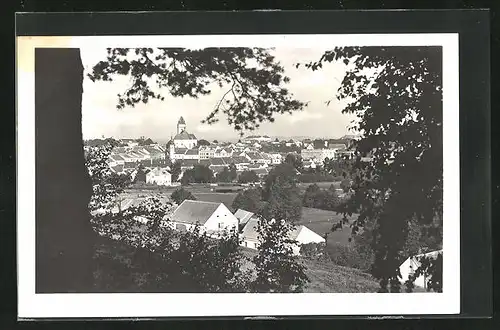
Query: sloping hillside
[(325, 277), (118, 270)]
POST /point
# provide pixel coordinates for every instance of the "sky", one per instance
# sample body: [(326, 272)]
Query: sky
[(157, 119)]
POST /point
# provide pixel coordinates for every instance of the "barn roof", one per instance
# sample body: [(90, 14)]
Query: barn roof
[(243, 216), (193, 212)]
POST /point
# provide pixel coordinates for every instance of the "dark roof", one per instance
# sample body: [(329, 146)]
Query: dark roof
[(184, 136), (189, 162), (180, 150), (192, 151), (217, 161), (193, 212), (239, 160), (181, 121), (130, 165)]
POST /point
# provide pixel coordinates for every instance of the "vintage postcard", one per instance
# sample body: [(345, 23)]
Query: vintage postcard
[(238, 175)]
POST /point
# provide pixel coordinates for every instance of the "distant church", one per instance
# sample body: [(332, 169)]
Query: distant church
[(183, 145)]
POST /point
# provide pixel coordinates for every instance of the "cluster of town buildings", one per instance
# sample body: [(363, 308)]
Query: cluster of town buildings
[(246, 154)]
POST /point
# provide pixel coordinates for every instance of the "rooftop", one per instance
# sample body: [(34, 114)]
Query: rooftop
[(193, 212)]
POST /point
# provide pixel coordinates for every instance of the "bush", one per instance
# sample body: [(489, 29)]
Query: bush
[(349, 256), (314, 251)]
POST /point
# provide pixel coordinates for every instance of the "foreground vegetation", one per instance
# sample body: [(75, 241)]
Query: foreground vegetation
[(118, 270)]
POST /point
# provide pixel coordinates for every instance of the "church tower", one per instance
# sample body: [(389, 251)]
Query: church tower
[(181, 125)]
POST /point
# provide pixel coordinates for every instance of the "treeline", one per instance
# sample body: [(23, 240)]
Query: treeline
[(203, 174), (142, 141)]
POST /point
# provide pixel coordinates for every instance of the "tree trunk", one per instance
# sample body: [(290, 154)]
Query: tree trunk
[(64, 236)]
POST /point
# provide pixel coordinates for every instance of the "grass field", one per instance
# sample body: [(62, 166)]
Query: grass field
[(321, 221), (326, 277)]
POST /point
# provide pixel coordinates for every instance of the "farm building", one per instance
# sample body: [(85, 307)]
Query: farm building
[(411, 264), (212, 217), (159, 176), (301, 234)]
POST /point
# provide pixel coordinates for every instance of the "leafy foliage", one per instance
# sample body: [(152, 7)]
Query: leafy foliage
[(432, 269), (295, 161), (281, 194), (106, 185), (197, 174), (324, 199), (396, 94), (181, 194), (203, 142), (140, 176), (278, 270), (233, 175), (252, 78), (248, 177), (223, 176), (248, 200)]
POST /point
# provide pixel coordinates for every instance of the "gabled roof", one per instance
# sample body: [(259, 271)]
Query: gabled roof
[(116, 157), (130, 165), (243, 216), (250, 230), (193, 212)]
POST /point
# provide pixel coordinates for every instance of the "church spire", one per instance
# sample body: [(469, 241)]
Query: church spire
[(181, 125)]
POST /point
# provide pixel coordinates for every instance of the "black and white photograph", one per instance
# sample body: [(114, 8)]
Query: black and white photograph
[(228, 175)]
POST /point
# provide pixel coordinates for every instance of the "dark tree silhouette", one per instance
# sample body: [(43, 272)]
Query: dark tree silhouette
[(248, 177), (64, 234), (176, 170), (278, 270), (248, 200), (282, 195), (396, 94), (181, 194), (203, 142), (295, 161)]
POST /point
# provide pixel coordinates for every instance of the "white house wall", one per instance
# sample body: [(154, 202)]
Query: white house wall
[(221, 215)]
